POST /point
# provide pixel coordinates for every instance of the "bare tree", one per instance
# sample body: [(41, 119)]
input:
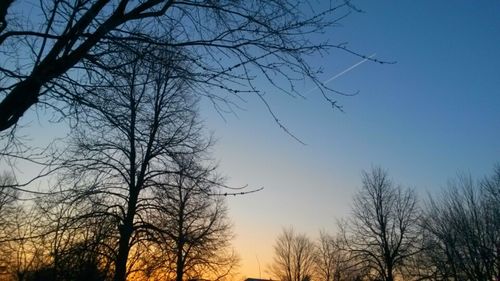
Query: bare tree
[(462, 231), (8, 196), (490, 199), (23, 250), (196, 232), (8, 221), (62, 46), (383, 230), (136, 131), (80, 246), (333, 261), (293, 257), (191, 235), (326, 257), (49, 244)]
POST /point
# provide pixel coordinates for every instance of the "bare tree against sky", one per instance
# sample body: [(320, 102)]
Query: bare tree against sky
[(293, 257), (22, 249), (8, 196), (383, 230), (9, 222), (80, 242), (196, 232), (326, 257), (135, 132), (332, 261), (462, 229), (227, 46)]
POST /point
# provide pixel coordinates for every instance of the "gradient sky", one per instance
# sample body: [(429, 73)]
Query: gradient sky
[(434, 113)]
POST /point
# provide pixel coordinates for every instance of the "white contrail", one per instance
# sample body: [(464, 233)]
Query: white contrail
[(349, 69), (344, 71)]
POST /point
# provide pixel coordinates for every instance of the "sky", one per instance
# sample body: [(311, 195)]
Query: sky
[(431, 115)]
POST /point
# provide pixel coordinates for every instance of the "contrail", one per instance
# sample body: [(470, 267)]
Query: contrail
[(344, 71)]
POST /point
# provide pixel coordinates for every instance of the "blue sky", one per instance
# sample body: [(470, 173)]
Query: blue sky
[(434, 113)]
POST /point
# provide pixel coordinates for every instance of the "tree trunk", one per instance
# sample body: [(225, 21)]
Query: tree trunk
[(390, 276), (180, 266), (123, 250), (126, 231)]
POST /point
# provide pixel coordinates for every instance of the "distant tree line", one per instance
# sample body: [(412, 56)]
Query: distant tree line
[(393, 236)]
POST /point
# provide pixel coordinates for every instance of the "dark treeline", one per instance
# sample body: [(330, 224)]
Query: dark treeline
[(391, 235)]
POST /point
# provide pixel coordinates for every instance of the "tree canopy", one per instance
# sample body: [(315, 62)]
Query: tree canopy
[(53, 52)]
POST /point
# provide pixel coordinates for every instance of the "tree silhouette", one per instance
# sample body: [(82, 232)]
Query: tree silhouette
[(383, 231), (47, 56), (462, 231), (138, 127), (293, 257), (8, 196), (191, 236), (195, 227), (333, 262)]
